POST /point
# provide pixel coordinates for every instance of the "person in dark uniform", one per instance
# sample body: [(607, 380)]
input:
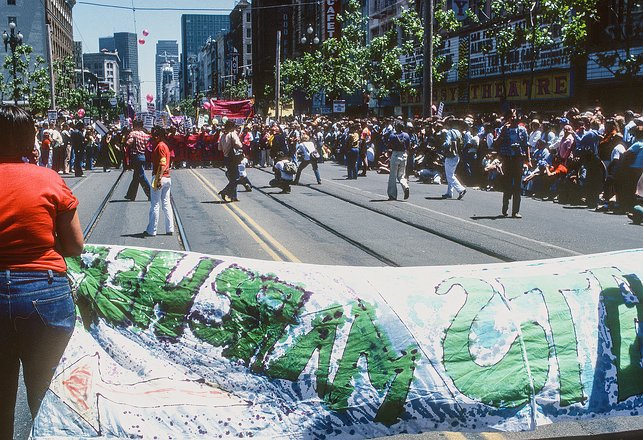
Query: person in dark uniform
[(514, 151)]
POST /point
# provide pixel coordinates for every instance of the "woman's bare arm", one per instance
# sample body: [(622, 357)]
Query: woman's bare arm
[(69, 236)]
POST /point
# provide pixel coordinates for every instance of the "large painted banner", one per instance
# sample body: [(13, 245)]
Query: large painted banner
[(232, 109), (179, 345)]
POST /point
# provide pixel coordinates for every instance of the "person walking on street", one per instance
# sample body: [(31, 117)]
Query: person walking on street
[(307, 150), (57, 149), (514, 150), (66, 138), (136, 145), (161, 184), (364, 144), (243, 175), (451, 148), (77, 141), (39, 227), (398, 144), (228, 143), (351, 149)]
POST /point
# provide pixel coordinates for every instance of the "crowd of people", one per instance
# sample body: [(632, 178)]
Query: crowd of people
[(574, 157)]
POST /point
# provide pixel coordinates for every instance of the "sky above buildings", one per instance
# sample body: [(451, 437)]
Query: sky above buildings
[(92, 22)]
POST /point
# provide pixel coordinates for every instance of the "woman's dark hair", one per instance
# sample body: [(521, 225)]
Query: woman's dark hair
[(158, 132), (229, 125), (17, 128)]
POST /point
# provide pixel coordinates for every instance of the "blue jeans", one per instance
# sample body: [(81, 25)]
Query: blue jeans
[(37, 318), (351, 162), (137, 163), (233, 175)]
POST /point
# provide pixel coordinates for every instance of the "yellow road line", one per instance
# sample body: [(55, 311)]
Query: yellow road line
[(261, 236), (454, 435), (492, 436)]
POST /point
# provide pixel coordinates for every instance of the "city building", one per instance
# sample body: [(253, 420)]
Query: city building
[(107, 43), (59, 17), (32, 18), (167, 61), (227, 59), (208, 73), (557, 77), (125, 44), (241, 39), (195, 31), (169, 91), (105, 66), (292, 19)]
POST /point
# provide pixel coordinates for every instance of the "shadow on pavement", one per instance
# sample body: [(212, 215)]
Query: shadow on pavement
[(489, 217), (137, 235)]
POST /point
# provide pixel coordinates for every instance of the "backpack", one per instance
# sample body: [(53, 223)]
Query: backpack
[(457, 143), (290, 168)]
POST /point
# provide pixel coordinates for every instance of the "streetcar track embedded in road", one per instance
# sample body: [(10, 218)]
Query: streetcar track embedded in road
[(465, 243), (182, 236), (101, 208), (373, 253)]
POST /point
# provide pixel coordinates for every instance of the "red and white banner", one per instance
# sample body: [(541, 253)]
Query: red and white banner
[(232, 109)]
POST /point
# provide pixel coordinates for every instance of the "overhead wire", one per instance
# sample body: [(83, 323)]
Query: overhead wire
[(134, 16), (160, 8)]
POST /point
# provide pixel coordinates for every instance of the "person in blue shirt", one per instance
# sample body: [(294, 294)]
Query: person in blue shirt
[(631, 169), (398, 144), (587, 137), (514, 151), (592, 169)]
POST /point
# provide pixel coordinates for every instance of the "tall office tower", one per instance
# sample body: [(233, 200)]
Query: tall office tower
[(167, 57), (106, 43), (126, 44), (195, 31)]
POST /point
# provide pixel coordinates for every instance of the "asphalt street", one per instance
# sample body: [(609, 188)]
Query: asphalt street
[(352, 222)]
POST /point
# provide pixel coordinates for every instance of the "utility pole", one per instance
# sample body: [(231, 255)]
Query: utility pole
[(278, 76), (52, 85), (427, 71)]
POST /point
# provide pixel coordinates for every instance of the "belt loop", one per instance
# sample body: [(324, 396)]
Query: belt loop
[(50, 274), (8, 275)]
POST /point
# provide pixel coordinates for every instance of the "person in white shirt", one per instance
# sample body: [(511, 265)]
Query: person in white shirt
[(535, 133), (308, 152), (284, 175), (243, 175)]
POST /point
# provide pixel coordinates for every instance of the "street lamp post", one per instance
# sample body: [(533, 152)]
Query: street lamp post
[(309, 32), (13, 40)]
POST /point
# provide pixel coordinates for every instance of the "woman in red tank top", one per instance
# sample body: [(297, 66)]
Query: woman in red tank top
[(39, 226)]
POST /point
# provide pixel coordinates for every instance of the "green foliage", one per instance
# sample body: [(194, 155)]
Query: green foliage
[(40, 95), (236, 91), (185, 107), (623, 64), (347, 64), (17, 65), (68, 97), (544, 19), (31, 81)]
